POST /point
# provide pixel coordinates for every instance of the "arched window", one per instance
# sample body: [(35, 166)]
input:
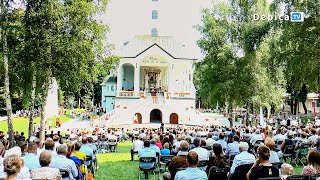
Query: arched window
[(112, 88), (154, 14), (154, 32)]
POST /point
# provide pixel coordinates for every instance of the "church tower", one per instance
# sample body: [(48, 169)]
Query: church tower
[(154, 17)]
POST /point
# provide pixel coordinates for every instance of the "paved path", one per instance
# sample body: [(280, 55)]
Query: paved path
[(73, 123), (213, 119)]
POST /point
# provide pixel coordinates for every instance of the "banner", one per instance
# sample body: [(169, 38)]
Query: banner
[(262, 123)]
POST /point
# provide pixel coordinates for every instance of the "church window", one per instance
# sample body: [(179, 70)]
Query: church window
[(154, 32), (154, 14), (112, 88)]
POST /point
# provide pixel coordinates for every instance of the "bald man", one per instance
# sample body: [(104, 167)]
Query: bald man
[(192, 172)]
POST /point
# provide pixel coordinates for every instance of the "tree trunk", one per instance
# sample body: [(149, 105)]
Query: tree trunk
[(295, 106), (291, 105), (304, 107), (3, 33), (32, 102), (43, 111)]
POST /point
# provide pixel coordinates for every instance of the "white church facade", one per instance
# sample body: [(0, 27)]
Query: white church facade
[(153, 83)]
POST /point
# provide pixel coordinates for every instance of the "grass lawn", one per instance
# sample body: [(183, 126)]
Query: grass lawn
[(21, 124), (117, 166)]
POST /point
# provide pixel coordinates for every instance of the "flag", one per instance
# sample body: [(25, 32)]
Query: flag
[(262, 123)]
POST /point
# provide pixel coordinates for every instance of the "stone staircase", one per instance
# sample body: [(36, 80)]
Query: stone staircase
[(126, 116)]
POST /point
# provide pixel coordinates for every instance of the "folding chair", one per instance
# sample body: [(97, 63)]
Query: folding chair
[(240, 172), (289, 153), (278, 145), (202, 163), (113, 145), (298, 177), (302, 153), (148, 170), (218, 172), (65, 173), (90, 164), (230, 160), (165, 160)]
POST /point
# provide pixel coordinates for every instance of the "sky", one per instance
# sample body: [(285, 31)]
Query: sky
[(127, 18)]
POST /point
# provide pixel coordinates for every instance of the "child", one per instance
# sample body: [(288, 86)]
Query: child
[(286, 170)]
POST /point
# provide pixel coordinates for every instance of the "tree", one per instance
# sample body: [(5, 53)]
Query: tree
[(235, 67), (64, 39), (298, 49), (3, 31)]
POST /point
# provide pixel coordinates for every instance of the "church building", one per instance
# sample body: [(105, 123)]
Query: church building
[(153, 82)]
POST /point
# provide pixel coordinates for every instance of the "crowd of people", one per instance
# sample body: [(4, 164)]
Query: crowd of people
[(30, 159), (247, 152), (263, 151)]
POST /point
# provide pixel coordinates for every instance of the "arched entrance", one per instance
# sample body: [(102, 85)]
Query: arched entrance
[(156, 116), (137, 118), (173, 118)]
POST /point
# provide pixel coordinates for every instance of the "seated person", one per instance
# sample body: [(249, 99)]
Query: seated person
[(12, 165), (45, 172), (313, 167), (31, 160), (146, 152), (85, 148), (286, 170), (274, 157), (243, 158), (233, 148), (218, 158), (165, 151), (286, 143), (60, 161), (178, 161), (136, 146), (262, 167), (192, 172), (222, 142)]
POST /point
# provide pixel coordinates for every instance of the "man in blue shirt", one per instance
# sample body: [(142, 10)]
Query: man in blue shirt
[(146, 152), (60, 161), (192, 172), (85, 148), (31, 160), (221, 141), (243, 158), (233, 148)]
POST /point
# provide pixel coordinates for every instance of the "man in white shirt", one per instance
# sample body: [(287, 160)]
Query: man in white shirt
[(279, 136), (257, 136), (243, 158), (136, 146), (202, 153), (210, 141)]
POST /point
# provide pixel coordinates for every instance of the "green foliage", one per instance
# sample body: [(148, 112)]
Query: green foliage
[(252, 62)]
